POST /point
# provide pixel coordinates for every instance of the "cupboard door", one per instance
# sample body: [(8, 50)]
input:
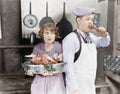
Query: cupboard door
[(117, 21)]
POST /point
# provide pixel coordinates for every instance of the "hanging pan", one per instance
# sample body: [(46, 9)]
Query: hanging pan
[(64, 26), (46, 19), (30, 20)]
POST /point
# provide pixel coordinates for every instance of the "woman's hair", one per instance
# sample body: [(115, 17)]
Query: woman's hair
[(48, 26)]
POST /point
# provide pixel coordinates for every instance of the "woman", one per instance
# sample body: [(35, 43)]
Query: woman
[(48, 83)]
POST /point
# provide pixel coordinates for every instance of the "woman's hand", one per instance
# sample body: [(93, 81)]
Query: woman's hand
[(33, 55), (46, 73), (29, 72), (60, 57)]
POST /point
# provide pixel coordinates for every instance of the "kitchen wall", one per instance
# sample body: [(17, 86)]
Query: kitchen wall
[(55, 10), (116, 38)]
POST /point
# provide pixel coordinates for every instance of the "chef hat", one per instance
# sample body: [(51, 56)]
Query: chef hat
[(81, 11)]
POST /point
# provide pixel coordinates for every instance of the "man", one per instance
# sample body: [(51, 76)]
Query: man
[(80, 75)]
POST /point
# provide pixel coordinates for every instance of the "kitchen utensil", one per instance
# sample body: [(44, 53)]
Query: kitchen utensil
[(32, 38), (40, 69), (65, 27), (30, 20), (46, 19)]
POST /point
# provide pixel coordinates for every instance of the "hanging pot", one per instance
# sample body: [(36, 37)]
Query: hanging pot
[(46, 19), (30, 20), (64, 26)]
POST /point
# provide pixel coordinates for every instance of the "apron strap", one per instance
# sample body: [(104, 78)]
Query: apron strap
[(77, 54)]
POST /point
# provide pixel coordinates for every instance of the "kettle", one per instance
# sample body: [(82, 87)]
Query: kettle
[(32, 38)]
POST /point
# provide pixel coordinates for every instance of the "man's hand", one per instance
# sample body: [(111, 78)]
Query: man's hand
[(101, 31)]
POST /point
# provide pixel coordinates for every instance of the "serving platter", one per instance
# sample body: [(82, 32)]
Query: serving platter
[(40, 69)]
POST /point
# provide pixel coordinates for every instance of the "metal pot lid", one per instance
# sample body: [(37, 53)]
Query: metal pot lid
[(30, 20)]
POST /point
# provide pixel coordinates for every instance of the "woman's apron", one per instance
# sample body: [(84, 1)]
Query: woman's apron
[(85, 68)]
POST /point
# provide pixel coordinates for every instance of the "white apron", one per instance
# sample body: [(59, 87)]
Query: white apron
[(85, 68)]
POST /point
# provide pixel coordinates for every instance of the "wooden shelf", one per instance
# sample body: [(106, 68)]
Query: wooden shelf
[(15, 46)]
